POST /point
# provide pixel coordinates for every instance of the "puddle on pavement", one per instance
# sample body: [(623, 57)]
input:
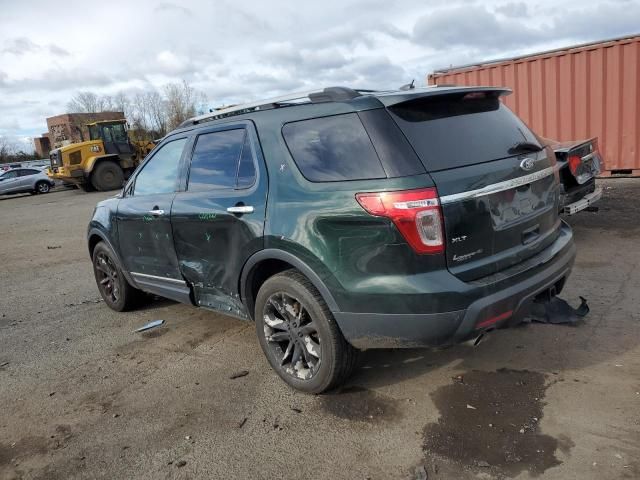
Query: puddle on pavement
[(359, 404), (500, 434)]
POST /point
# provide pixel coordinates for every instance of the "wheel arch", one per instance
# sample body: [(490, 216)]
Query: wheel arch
[(96, 236), (93, 161), (269, 262)]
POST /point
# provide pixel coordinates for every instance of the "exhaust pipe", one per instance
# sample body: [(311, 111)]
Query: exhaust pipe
[(474, 342)]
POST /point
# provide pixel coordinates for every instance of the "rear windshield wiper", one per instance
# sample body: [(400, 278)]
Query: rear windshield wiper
[(522, 147)]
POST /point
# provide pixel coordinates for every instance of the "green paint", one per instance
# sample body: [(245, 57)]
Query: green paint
[(207, 236), (147, 218), (206, 216), (140, 235)]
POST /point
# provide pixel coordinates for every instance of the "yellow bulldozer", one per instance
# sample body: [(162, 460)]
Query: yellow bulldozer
[(104, 161)]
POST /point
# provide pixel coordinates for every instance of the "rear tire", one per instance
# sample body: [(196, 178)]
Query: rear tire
[(116, 292), (107, 175), (43, 187), (299, 335)]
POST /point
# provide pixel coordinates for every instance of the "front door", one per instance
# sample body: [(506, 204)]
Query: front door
[(218, 221), (9, 182), (144, 223), (116, 140)]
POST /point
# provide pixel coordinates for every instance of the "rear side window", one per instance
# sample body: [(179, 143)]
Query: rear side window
[(26, 173), (450, 131), (332, 149), (222, 159)]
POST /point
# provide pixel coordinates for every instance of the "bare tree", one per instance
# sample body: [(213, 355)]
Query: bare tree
[(121, 103), (90, 102), (149, 112), (182, 100), (7, 149)]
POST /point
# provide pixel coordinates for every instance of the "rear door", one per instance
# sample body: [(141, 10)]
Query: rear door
[(26, 179), (144, 223), (498, 186), (218, 221)]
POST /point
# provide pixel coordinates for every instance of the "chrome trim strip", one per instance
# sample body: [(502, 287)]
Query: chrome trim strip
[(155, 277), (497, 187)]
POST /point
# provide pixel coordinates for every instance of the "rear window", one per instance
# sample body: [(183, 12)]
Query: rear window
[(335, 148), (450, 131)]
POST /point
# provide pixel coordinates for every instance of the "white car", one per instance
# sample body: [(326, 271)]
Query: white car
[(21, 180)]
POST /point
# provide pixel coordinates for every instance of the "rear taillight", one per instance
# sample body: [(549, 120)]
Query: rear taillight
[(416, 213), (574, 164)]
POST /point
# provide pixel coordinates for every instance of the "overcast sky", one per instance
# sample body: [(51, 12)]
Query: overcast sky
[(237, 51)]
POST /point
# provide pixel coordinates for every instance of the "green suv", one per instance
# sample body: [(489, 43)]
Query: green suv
[(340, 220)]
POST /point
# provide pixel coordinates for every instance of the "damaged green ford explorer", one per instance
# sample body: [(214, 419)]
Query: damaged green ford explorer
[(340, 220)]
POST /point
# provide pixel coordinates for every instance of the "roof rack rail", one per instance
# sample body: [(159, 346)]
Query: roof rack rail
[(328, 94)]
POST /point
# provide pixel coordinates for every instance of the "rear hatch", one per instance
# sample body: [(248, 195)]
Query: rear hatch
[(498, 186)]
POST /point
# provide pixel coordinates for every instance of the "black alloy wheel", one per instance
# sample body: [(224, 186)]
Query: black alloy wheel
[(292, 335), (299, 336)]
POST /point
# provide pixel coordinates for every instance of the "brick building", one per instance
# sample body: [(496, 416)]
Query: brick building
[(69, 128), (42, 145)]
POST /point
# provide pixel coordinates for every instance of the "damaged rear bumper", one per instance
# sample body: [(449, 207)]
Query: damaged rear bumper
[(583, 203), (493, 305)]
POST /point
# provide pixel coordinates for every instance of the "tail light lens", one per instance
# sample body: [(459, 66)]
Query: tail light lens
[(574, 164), (416, 213)]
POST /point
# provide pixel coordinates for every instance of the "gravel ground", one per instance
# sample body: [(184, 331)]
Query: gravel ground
[(83, 396)]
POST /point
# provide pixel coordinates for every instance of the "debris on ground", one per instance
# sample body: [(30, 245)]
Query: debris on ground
[(471, 407), (242, 422), (297, 410), (556, 311), (458, 379), (4, 364), (53, 247), (150, 325), (181, 464), (483, 464), (241, 373)]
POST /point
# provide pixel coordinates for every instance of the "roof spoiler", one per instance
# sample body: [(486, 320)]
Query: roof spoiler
[(398, 98)]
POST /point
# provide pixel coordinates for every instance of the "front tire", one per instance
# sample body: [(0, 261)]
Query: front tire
[(116, 292), (299, 335), (107, 176)]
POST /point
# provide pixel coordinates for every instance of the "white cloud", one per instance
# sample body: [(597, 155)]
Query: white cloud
[(237, 51)]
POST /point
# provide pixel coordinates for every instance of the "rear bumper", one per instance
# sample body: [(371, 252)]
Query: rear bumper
[(492, 305), (584, 202)]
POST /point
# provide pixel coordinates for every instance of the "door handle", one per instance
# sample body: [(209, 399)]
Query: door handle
[(240, 209), (156, 212)]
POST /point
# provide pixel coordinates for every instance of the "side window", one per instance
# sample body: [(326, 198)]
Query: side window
[(214, 163), (160, 174), (246, 168), (330, 149), (106, 132), (119, 133), (11, 174), (26, 173)]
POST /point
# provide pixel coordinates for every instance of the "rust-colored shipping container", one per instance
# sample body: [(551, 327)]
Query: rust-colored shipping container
[(590, 90)]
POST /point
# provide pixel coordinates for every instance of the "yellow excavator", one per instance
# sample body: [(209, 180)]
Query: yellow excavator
[(104, 161)]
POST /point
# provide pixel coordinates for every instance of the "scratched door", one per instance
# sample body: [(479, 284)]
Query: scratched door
[(144, 215), (218, 221)]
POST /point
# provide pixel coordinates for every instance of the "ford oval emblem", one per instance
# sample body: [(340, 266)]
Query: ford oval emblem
[(527, 164)]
